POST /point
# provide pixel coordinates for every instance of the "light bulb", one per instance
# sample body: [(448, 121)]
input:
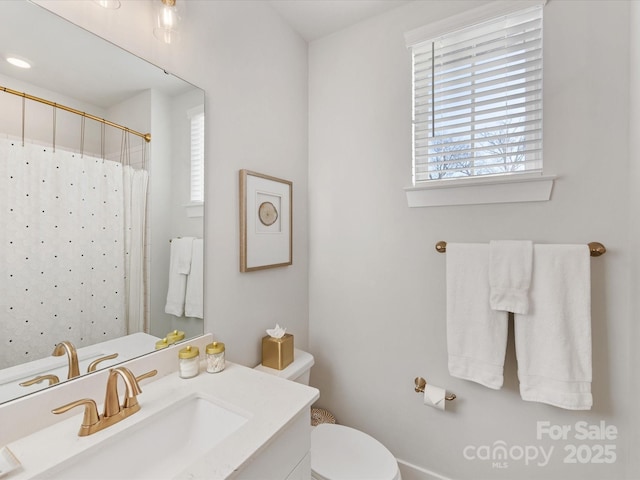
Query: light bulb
[(167, 19), (110, 4)]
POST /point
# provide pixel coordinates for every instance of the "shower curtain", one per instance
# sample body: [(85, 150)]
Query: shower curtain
[(72, 232), (135, 201)]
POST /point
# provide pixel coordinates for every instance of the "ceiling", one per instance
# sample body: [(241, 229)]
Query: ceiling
[(73, 61), (314, 19), (103, 86)]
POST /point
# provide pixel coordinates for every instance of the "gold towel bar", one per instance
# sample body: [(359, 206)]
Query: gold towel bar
[(421, 383), (595, 248)]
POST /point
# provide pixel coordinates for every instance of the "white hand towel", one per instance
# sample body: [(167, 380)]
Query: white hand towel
[(510, 274), (180, 255), (193, 306), (476, 334), (553, 342)]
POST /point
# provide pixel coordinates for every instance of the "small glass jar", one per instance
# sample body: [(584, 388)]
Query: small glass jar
[(175, 337), (160, 344), (189, 362), (215, 357)]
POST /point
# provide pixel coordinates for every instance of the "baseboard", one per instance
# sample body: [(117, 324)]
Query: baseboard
[(410, 471)]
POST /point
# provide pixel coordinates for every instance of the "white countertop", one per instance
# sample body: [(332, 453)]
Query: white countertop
[(268, 402)]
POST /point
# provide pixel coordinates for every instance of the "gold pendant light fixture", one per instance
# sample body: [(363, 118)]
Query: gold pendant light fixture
[(167, 19), (109, 4)]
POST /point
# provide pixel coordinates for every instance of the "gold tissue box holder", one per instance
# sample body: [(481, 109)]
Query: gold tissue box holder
[(277, 352)]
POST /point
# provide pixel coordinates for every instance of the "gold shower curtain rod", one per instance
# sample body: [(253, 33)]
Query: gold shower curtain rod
[(146, 136)]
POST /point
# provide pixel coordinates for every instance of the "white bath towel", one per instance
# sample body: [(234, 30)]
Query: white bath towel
[(476, 334), (510, 264), (553, 342), (193, 306), (180, 255)]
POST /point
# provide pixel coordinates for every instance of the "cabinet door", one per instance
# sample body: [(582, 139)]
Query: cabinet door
[(302, 470)]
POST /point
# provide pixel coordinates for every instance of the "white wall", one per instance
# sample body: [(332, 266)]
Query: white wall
[(634, 202), (377, 310), (39, 118), (253, 68)]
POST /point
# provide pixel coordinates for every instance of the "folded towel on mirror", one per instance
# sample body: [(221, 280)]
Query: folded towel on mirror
[(180, 256)]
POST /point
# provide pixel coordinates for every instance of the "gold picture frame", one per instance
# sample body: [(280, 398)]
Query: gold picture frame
[(266, 221)]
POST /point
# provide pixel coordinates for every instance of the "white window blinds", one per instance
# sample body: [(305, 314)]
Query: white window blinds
[(477, 100), (196, 117)]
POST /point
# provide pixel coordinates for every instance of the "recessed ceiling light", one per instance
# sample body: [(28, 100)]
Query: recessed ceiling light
[(18, 62)]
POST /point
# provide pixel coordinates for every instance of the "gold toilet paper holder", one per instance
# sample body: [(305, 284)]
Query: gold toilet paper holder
[(421, 383)]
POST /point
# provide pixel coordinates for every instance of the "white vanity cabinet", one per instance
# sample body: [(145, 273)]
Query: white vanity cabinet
[(272, 441), (286, 456)]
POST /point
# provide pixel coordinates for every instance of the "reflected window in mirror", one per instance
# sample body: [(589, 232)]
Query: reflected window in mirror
[(196, 117)]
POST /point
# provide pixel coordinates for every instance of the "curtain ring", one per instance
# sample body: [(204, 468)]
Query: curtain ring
[(82, 129), (23, 117), (102, 127), (145, 146), (128, 153), (123, 148), (55, 109)]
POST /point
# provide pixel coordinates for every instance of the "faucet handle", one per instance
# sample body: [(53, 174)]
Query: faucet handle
[(53, 379), (131, 401), (93, 365), (90, 418), (149, 374)]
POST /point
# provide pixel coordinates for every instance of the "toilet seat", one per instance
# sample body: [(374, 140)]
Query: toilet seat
[(339, 452)]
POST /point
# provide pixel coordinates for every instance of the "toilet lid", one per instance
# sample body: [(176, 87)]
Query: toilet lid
[(339, 452)]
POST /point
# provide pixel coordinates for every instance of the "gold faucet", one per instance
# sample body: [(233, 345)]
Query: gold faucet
[(92, 422), (68, 348), (53, 379)]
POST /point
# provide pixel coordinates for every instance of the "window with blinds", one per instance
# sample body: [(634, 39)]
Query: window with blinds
[(196, 117), (477, 100)]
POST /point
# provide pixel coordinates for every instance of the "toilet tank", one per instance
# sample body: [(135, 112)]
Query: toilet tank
[(298, 370)]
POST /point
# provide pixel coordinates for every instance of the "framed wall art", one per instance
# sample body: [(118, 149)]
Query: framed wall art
[(266, 221)]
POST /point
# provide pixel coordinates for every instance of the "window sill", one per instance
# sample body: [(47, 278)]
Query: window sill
[(195, 209), (478, 191)]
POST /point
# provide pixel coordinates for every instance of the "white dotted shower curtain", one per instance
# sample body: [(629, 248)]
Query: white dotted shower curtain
[(69, 238)]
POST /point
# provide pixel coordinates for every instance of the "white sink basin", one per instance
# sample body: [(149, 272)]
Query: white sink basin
[(160, 446)]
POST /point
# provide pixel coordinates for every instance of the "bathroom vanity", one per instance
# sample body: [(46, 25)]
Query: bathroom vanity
[(238, 423)]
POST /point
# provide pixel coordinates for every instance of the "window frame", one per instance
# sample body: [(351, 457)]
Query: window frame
[(498, 188)]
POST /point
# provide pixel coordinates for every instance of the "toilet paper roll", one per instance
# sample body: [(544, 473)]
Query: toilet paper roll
[(434, 397)]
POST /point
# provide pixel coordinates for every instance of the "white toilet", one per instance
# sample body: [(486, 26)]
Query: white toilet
[(339, 452)]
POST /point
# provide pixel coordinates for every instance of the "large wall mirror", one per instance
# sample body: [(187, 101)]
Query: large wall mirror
[(102, 231)]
